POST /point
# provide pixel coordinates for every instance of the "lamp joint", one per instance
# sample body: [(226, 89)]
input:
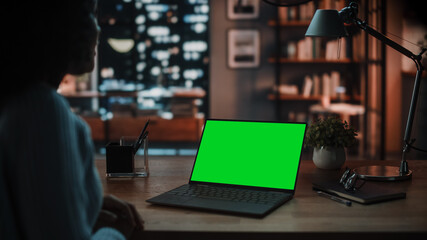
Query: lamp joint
[(349, 14)]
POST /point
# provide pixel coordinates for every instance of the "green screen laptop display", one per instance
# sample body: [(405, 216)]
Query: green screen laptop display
[(259, 154)]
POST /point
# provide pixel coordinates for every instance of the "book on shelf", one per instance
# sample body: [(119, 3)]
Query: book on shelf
[(336, 49), (326, 83), (181, 107), (283, 13), (335, 83), (123, 110), (310, 48), (306, 11), (307, 86), (318, 51), (291, 50), (316, 85), (330, 83), (303, 12), (292, 13), (147, 112), (332, 4), (286, 89), (305, 49)]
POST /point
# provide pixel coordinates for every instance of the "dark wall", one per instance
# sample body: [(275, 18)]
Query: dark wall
[(241, 93)]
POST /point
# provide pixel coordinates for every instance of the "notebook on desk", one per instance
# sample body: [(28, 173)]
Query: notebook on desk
[(370, 192), (241, 167)]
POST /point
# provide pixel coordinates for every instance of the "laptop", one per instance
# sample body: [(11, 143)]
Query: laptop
[(246, 168)]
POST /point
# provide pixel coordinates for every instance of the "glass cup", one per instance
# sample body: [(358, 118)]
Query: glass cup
[(140, 159)]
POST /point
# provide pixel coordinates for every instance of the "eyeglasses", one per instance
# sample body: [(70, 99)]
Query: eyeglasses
[(349, 180)]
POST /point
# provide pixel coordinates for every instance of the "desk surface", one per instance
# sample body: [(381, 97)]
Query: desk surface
[(306, 215)]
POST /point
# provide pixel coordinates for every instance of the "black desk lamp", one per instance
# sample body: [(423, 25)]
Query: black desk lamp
[(330, 23)]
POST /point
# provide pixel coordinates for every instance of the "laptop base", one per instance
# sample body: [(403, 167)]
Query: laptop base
[(219, 205)]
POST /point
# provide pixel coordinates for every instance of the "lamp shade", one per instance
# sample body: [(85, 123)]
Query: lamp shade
[(326, 23)]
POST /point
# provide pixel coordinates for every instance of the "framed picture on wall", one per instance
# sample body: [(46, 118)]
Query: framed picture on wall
[(243, 48), (242, 9)]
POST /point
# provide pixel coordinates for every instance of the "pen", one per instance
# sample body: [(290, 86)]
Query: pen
[(142, 140), (335, 198), (145, 136), (141, 137)]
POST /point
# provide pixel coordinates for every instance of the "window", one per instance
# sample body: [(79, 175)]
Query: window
[(148, 44)]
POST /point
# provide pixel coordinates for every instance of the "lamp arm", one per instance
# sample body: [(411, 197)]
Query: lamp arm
[(404, 169), (364, 26), (349, 15), (407, 138)]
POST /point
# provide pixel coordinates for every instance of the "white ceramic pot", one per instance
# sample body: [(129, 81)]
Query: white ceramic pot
[(329, 157)]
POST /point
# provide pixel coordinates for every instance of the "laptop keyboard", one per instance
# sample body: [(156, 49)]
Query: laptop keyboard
[(229, 194)]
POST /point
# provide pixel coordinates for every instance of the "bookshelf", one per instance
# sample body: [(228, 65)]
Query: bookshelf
[(309, 69)]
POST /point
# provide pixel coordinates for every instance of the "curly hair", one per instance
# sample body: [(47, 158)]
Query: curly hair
[(45, 40)]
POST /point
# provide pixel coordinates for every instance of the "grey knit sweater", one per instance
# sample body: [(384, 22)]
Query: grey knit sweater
[(49, 187)]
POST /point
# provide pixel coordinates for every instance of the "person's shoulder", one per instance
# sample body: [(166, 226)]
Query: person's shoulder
[(49, 102), (37, 101), (48, 95), (36, 94), (38, 109)]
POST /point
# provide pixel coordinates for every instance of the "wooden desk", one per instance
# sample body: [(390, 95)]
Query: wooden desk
[(306, 216)]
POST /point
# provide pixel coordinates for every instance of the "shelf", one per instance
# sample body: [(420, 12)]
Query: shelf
[(96, 94), (187, 129), (188, 93), (83, 94), (284, 97), (175, 93), (311, 61), (294, 23)]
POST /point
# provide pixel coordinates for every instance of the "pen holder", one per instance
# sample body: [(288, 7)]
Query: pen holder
[(122, 161)]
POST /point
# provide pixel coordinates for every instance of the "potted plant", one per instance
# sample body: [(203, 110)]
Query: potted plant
[(329, 137)]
